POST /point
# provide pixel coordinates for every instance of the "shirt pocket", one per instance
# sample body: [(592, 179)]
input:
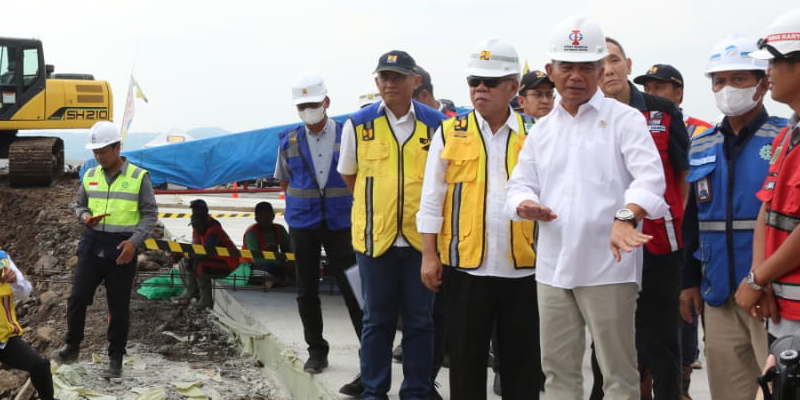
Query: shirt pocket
[(598, 166), (462, 157), (376, 154)]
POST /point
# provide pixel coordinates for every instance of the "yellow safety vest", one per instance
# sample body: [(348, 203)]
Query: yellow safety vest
[(388, 185), (462, 239), (121, 199), (9, 326)]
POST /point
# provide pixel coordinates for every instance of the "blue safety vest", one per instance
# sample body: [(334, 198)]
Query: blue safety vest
[(308, 205), (727, 206)]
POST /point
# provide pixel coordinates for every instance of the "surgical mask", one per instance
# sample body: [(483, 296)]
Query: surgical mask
[(311, 116), (734, 101)]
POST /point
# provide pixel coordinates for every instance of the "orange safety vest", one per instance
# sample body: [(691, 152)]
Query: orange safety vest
[(230, 263), (781, 195)]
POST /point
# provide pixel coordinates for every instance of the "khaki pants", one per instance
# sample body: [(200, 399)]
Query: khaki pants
[(608, 312), (736, 349)]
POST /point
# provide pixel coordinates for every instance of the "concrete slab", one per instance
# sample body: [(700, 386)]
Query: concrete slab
[(274, 316)]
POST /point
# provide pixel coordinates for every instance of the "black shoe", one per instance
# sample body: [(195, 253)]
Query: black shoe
[(67, 354), (397, 353), (114, 369), (354, 388), (496, 387), (434, 394), (315, 364)]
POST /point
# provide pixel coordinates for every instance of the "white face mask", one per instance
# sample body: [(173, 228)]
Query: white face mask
[(311, 116), (734, 101)]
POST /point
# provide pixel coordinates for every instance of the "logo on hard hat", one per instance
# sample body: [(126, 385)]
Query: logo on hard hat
[(485, 55), (391, 58), (576, 36), (94, 138), (304, 91), (730, 51), (652, 70)]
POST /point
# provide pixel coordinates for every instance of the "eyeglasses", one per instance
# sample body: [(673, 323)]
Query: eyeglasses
[(548, 95), (475, 81)]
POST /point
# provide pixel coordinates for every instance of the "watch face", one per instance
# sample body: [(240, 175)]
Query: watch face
[(624, 214)]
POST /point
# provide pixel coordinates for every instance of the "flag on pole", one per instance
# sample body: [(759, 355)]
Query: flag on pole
[(127, 118), (525, 69)]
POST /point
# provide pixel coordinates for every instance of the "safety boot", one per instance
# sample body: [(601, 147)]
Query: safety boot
[(67, 354), (206, 292), (114, 369)]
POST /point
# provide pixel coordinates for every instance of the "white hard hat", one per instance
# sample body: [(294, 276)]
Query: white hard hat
[(577, 39), (308, 89), (103, 134), (368, 96), (493, 58), (783, 36), (733, 54)]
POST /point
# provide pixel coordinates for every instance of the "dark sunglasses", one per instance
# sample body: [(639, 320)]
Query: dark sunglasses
[(475, 81)]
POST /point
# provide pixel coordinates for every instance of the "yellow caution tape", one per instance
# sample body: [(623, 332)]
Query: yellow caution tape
[(188, 248), (234, 215)]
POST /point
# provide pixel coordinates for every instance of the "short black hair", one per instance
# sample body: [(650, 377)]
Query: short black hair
[(264, 206), (614, 41)]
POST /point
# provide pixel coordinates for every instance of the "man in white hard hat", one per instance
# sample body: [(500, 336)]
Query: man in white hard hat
[(728, 164), (317, 212), (384, 147), (775, 250), (116, 205), (590, 176), (657, 311), (488, 260)]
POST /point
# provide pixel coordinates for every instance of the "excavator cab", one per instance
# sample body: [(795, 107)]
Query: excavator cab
[(33, 97)]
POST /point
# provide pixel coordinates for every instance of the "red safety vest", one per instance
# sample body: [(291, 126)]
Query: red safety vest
[(781, 195), (212, 263), (666, 232), (262, 240)]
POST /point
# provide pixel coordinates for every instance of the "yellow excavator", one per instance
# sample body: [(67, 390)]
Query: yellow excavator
[(33, 97)]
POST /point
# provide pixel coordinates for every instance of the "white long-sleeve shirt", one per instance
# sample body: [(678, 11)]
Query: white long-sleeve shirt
[(21, 288), (497, 233), (585, 168)]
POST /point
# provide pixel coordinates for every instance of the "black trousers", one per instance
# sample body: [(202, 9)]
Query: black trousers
[(658, 327), (474, 305), (339, 251), (439, 332), (118, 279), (19, 355)]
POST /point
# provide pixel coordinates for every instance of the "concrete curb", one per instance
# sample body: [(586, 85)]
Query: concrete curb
[(256, 339)]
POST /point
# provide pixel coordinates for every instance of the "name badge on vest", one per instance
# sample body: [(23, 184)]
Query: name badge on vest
[(654, 122), (703, 189)]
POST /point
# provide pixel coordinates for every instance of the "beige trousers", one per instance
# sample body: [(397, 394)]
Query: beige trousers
[(736, 349), (608, 312)]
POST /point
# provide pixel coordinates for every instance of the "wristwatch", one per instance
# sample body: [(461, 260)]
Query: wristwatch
[(626, 215), (751, 281)]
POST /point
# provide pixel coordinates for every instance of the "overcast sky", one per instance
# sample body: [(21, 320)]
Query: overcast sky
[(231, 63)]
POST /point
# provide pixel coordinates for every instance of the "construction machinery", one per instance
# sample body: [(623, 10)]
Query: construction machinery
[(33, 97)]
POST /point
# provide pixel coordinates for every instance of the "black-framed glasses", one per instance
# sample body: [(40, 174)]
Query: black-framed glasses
[(764, 44), (542, 95), (475, 81)]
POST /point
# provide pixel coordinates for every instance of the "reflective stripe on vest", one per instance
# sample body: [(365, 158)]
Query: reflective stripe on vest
[(9, 326), (214, 228), (120, 200), (786, 291), (462, 242), (781, 222), (388, 183), (307, 206), (720, 226)]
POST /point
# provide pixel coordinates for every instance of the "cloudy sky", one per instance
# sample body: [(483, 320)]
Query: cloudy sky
[(230, 63)]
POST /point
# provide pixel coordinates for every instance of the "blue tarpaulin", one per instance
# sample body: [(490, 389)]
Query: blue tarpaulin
[(218, 160)]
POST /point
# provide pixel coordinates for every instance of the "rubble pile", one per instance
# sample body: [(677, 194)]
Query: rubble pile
[(168, 343)]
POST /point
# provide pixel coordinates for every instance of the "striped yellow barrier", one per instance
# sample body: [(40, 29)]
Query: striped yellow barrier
[(188, 248)]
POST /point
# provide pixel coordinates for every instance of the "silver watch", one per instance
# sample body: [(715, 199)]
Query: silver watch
[(751, 281), (625, 214)]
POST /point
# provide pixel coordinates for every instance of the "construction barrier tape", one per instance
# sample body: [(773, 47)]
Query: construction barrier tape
[(189, 215), (188, 248)]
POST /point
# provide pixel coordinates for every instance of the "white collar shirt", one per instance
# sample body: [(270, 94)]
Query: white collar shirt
[(585, 168), (402, 128), (497, 231)]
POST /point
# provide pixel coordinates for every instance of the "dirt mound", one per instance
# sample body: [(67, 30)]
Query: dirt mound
[(41, 233)]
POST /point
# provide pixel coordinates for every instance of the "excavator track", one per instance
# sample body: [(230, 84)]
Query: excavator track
[(35, 161)]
